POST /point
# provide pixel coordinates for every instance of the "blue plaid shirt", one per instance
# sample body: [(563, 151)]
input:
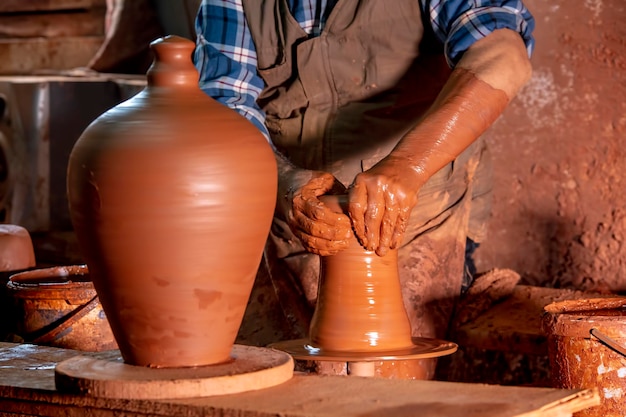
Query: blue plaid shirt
[(226, 59)]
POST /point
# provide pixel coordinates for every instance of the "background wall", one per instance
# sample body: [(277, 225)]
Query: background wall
[(559, 213)]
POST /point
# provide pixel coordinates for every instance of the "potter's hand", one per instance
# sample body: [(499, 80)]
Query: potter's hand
[(320, 230), (488, 75), (380, 203)]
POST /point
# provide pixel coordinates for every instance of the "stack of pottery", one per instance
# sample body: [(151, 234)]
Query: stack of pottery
[(171, 196)]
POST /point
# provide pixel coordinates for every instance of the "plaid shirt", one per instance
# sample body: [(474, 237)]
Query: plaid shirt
[(226, 59)]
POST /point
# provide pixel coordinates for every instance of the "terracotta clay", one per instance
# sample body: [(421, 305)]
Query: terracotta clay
[(16, 248), (359, 307), (580, 360), (172, 196)]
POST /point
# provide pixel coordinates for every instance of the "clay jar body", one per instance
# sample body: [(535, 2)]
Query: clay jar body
[(359, 306), (172, 195)]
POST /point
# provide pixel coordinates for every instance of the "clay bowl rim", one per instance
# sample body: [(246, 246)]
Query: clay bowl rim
[(57, 278), (585, 306), (576, 318)]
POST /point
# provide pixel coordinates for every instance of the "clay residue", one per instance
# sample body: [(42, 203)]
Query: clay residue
[(206, 298), (161, 282)]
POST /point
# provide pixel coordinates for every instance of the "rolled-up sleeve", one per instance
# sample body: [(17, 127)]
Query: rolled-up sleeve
[(460, 23), (226, 59)]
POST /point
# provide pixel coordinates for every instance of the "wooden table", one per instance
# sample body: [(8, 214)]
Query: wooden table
[(27, 388)]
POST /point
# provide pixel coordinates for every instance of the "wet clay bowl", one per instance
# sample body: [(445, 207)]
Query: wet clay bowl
[(58, 307)]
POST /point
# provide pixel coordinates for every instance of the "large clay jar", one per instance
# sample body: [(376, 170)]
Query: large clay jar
[(359, 306), (172, 195)]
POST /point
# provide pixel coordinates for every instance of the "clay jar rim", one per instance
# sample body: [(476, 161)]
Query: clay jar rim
[(576, 318), (59, 282)]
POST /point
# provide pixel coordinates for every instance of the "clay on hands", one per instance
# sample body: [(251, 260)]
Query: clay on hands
[(321, 230), (381, 201), (487, 77), (382, 198)]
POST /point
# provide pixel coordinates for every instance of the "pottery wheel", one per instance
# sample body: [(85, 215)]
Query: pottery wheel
[(422, 348), (251, 368)]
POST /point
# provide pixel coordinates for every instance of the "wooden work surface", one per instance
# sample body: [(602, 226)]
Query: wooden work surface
[(27, 388)]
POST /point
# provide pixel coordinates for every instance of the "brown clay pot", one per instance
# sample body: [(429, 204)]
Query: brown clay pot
[(581, 334), (59, 307), (359, 306), (172, 195)]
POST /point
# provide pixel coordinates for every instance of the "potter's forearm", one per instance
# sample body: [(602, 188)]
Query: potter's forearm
[(488, 76)]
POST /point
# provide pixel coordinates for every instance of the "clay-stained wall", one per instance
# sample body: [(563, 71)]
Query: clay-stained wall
[(559, 211)]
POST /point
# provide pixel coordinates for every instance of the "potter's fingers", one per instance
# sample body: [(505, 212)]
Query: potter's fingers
[(317, 186), (374, 217), (340, 231), (401, 225), (356, 208), (337, 230), (388, 224), (317, 211), (306, 199), (320, 246)]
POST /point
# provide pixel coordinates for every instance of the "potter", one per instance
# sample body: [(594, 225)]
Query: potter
[(384, 104)]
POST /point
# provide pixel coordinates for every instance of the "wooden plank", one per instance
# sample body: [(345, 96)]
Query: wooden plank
[(27, 56), (250, 368), (27, 388), (13, 6), (48, 25)]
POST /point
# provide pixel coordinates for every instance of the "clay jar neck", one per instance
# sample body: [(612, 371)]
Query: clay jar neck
[(360, 306), (172, 66)]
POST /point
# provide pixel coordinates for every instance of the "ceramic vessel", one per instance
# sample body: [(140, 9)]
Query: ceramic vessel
[(172, 195), (359, 306), (59, 307), (586, 346)]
